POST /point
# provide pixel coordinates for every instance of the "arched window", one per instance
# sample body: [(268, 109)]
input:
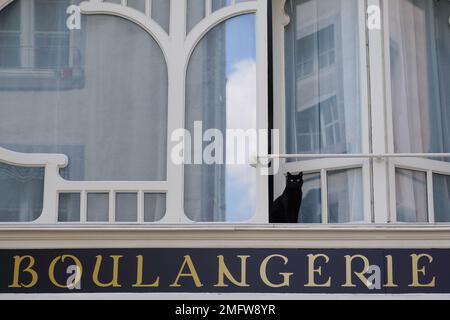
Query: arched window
[(221, 95), (88, 108), (97, 94)]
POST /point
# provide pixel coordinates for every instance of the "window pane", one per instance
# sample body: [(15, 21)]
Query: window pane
[(221, 93), (441, 191), (195, 13), (412, 203), (21, 193), (161, 13), (98, 207), (345, 196), (51, 36), (219, 4), (154, 207), (69, 207), (323, 77), (107, 111), (311, 208), (10, 36), (420, 73), (139, 5), (126, 207)]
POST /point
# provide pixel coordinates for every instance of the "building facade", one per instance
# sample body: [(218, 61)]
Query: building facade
[(94, 93)]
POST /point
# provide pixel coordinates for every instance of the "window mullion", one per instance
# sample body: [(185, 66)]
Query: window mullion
[(378, 116)]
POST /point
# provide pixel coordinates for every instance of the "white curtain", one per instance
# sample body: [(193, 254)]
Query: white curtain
[(420, 68), (21, 193)]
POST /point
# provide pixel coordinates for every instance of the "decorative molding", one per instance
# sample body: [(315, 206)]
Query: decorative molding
[(226, 237)]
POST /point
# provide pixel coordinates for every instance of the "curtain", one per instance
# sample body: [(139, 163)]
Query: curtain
[(420, 69), (323, 97), (21, 193), (98, 95)]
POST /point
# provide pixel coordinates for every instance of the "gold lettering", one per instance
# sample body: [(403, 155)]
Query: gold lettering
[(115, 277), (390, 273), (51, 271), (140, 276), (225, 272), (263, 272), (349, 271), (29, 269), (192, 273), (312, 271), (416, 271)]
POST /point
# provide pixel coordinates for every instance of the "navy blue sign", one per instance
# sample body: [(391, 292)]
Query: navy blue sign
[(345, 271)]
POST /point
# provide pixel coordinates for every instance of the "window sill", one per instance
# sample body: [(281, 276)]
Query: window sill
[(229, 236)]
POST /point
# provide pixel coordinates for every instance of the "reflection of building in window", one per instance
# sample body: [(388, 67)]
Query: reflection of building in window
[(10, 36), (320, 128), (315, 52), (35, 48), (320, 118), (33, 40), (51, 37)]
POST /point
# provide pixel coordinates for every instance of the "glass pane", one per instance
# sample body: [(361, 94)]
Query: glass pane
[(412, 203), (161, 13), (69, 207), (195, 13), (126, 207), (106, 109), (10, 36), (221, 94), (420, 73), (21, 193), (219, 4), (323, 77), (139, 5), (154, 207), (98, 207), (345, 196), (441, 191), (311, 208)]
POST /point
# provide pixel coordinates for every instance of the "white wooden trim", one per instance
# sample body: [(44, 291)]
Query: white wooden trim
[(230, 236)]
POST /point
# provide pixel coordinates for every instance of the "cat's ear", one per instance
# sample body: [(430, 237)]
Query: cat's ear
[(289, 175), (300, 175)]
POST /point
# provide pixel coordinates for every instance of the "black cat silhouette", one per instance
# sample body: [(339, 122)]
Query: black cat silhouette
[(286, 208)]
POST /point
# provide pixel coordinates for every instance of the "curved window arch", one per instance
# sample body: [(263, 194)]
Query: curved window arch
[(221, 95)]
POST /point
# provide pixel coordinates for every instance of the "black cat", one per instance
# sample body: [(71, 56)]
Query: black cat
[(286, 208)]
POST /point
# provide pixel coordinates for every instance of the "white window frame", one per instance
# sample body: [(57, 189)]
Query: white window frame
[(177, 48), (322, 164)]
